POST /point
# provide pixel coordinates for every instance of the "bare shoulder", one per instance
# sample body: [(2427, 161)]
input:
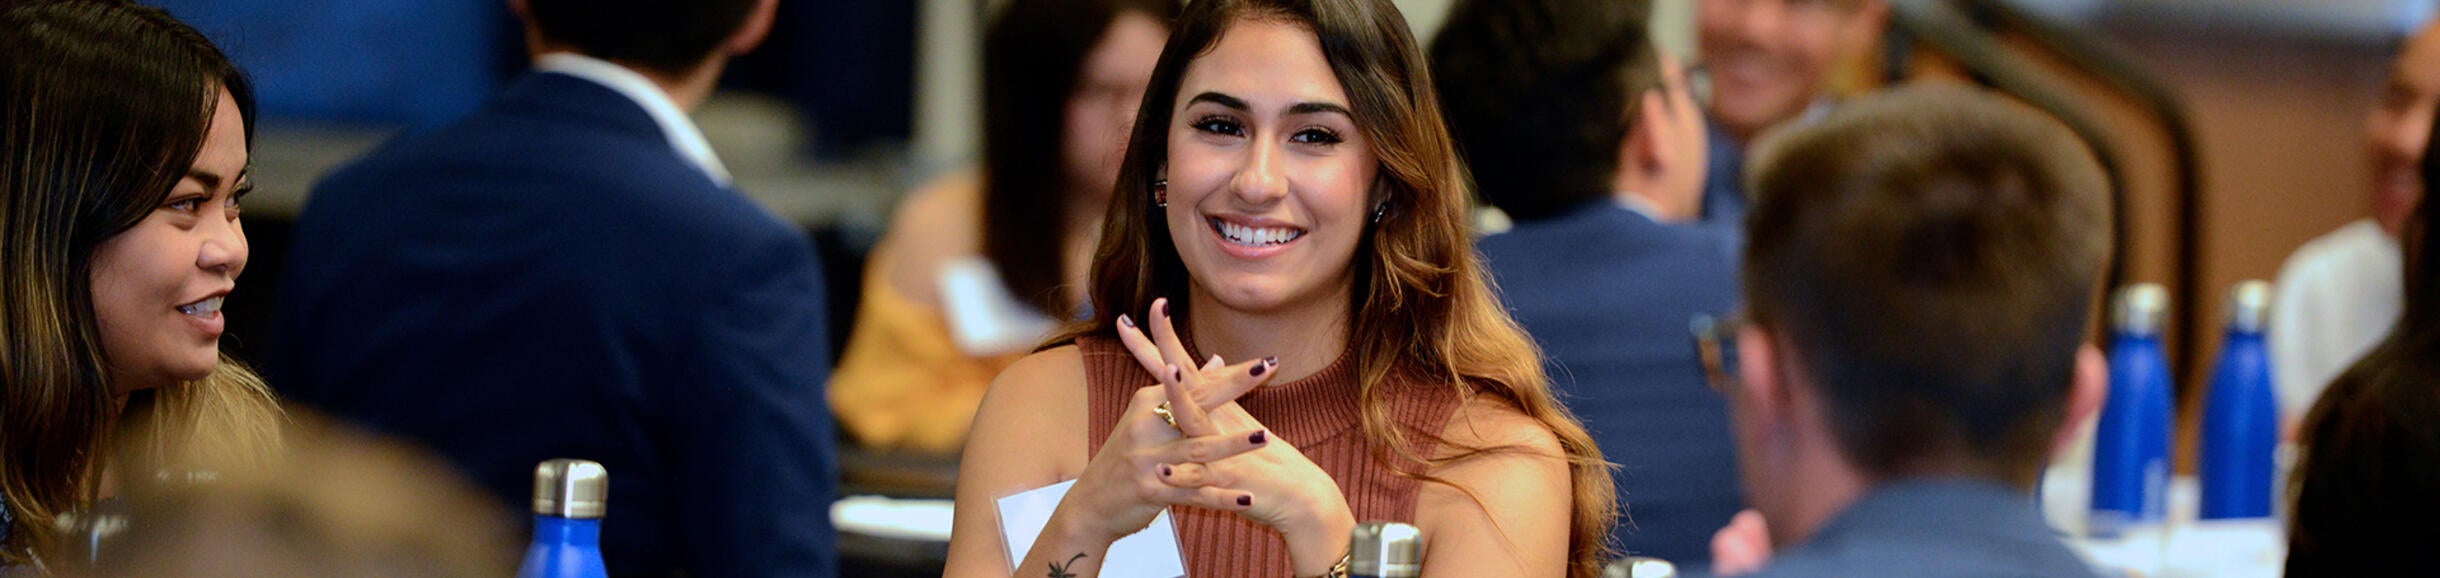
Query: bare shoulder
[(1490, 421), (1029, 433), (1505, 498), (1049, 377), (1035, 413), (936, 223)]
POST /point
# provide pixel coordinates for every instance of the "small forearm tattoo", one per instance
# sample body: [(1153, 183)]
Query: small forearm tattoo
[(1060, 569)]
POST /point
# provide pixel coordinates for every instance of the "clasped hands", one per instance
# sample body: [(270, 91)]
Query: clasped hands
[(1215, 456)]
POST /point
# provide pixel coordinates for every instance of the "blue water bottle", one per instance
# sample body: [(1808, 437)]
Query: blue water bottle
[(2131, 442), (2241, 418), (569, 499)]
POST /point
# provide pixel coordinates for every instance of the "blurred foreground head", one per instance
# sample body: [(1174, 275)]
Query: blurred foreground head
[(338, 503), (1919, 276), (2363, 489)]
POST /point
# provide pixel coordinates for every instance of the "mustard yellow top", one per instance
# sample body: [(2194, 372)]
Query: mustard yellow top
[(903, 385)]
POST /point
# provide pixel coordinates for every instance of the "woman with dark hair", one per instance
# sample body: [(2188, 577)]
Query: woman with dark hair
[(127, 139), (979, 267), (1290, 198), (2367, 487)]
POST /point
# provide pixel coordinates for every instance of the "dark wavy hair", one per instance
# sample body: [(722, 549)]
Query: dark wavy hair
[(1420, 296), (107, 104), (1033, 59), (2364, 487)]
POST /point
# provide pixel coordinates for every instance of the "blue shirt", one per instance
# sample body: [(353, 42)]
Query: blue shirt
[(1933, 528), (1724, 177)]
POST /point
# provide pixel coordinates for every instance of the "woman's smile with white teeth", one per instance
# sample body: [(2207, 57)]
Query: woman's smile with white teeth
[(1254, 236), (204, 308)]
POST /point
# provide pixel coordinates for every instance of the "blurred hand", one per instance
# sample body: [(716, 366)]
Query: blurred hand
[(1741, 547)]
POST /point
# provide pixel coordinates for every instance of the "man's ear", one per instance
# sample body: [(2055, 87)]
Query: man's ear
[(756, 28), (1648, 139), (1761, 387), (2085, 393)]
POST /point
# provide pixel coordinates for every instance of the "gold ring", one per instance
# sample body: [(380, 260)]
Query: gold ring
[(1163, 411)]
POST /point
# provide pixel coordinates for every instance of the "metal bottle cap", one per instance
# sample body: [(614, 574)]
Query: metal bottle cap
[(2249, 303), (1385, 549), (2140, 309), (1640, 567), (569, 488)]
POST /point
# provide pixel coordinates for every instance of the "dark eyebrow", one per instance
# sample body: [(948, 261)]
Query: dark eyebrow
[(211, 180), (1220, 99), (1318, 107)]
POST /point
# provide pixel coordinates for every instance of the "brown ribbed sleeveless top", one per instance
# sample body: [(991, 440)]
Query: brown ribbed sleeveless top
[(1317, 415)]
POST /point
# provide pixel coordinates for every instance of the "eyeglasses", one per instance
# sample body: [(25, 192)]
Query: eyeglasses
[(1715, 346)]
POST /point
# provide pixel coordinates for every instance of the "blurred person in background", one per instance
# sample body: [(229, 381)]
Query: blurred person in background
[(1576, 127), (1920, 274), (2367, 485), (979, 267), (1289, 198), (127, 136), (1770, 63), (568, 273), (2340, 293), (336, 503)]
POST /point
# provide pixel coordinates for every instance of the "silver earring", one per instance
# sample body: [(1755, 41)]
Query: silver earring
[(1380, 210), (1160, 193)]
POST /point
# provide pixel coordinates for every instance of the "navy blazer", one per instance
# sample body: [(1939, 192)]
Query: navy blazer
[(1724, 200), (548, 278), (1608, 294), (1933, 529)]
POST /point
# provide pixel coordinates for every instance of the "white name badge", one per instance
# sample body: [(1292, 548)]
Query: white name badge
[(1149, 553)]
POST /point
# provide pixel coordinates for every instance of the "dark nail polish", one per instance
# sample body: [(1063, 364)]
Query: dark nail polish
[(1123, 321), (1257, 438), (1161, 307), (1261, 367), (1245, 500), (1164, 470), (1176, 374)]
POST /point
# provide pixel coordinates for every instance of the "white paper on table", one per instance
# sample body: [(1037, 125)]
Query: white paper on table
[(985, 319), (1149, 553)]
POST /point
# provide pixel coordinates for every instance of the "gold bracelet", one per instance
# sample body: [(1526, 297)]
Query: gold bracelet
[(1339, 570)]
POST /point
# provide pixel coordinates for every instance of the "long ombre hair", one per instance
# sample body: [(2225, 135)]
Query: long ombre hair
[(1416, 273), (107, 104)]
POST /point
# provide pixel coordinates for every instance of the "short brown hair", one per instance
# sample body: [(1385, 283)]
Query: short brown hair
[(1538, 94), (1932, 255)]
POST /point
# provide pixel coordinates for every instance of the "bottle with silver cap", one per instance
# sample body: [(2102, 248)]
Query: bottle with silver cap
[(1640, 567), (570, 497), (2241, 414), (1385, 550), (2131, 440)]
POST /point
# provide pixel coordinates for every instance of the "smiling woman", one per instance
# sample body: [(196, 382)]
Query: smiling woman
[(127, 135), (1290, 199)]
